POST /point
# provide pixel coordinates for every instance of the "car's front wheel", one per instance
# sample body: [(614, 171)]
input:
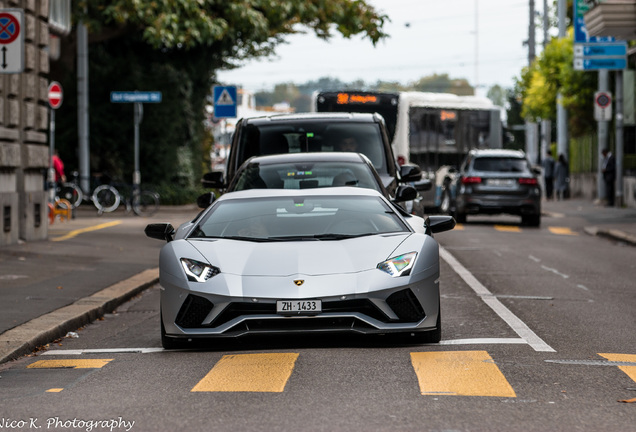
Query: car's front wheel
[(168, 342), (531, 220)]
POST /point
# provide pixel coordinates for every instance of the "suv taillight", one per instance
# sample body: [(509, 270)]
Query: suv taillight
[(471, 180), (528, 181)]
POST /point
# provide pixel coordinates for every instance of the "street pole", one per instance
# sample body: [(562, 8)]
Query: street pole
[(82, 107), (531, 127), (562, 115), (602, 125), (619, 139), (138, 116), (51, 172)]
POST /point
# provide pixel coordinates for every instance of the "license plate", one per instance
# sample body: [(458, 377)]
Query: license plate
[(501, 182), (299, 307)]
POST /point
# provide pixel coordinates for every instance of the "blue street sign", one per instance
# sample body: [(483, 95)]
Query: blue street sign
[(600, 63), (135, 96), (225, 101), (600, 49)]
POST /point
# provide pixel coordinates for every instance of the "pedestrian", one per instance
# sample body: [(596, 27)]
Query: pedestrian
[(548, 174), (58, 167), (561, 177), (609, 175)]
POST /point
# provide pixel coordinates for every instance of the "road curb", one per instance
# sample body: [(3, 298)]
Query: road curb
[(612, 234), (25, 338)]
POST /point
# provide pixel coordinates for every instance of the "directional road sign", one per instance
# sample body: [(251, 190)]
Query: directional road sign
[(135, 96), (225, 98), (596, 63), (55, 95), (11, 40)]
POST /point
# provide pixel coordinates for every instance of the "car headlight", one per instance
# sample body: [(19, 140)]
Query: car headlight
[(198, 271), (399, 265)]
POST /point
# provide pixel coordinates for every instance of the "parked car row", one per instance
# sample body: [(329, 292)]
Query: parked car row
[(313, 233)]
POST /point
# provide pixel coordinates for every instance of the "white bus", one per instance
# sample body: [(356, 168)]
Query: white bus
[(433, 130)]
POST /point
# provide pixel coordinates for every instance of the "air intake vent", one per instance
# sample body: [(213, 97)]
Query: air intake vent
[(193, 311), (405, 305)]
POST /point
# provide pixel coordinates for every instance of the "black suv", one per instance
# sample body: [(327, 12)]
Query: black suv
[(317, 132)]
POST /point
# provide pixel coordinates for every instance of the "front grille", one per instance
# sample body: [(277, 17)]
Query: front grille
[(406, 306), (362, 306), (193, 311)]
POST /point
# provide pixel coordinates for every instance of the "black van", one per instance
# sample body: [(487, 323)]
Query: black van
[(316, 132)]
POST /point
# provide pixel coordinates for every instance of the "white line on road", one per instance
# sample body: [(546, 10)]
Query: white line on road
[(102, 351), (555, 271), (504, 313)]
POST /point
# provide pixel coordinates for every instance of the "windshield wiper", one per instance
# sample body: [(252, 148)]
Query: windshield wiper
[(340, 236)]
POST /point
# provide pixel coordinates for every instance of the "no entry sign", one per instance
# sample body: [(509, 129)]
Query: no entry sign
[(55, 95)]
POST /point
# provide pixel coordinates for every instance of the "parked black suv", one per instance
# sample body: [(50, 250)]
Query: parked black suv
[(317, 132)]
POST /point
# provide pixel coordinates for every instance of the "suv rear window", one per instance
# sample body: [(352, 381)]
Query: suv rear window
[(500, 164), (306, 136)]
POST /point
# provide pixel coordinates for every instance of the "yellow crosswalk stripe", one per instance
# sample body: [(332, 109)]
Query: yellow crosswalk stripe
[(561, 231), (507, 228), (74, 364), (628, 358), (249, 373), (459, 373)]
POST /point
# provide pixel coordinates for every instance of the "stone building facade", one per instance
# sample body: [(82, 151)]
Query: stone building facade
[(24, 126)]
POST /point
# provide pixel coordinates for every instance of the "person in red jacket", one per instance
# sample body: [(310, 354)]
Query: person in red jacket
[(58, 166)]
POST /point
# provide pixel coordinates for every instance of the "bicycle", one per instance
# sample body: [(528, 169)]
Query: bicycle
[(143, 202), (104, 197)]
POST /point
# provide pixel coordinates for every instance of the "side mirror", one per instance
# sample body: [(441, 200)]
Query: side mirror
[(439, 223), (213, 180), (160, 231), (204, 201), (410, 173), (405, 193), (423, 185)]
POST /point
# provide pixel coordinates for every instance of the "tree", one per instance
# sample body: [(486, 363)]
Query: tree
[(175, 47), (552, 72)]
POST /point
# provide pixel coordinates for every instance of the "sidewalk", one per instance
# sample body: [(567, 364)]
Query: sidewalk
[(615, 223), (91, 265), (88, 267)]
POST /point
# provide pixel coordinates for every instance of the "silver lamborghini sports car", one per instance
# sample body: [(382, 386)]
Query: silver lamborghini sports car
[(271, 261)]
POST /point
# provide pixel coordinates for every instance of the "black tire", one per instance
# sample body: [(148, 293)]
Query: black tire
[(168, 342), (72, 194), (147, 204), (106, 198), (426, 337), (531, 220)]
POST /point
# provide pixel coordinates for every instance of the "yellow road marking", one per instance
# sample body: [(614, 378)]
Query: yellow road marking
[(561, 231), (630, 358), (459, 227), (74, 233), (54, 390), (74, 363), (507, 228), (249, 373), (460, 373)]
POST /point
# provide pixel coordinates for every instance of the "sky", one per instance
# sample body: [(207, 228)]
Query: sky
[(478, 40)]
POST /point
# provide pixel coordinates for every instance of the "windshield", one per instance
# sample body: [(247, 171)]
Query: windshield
[(305, 175), (314, 136), (299, 218), (499, 164)]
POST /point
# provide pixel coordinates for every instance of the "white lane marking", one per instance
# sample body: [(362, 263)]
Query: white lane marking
[(504, 313), (535, 259), (483, 341), (102, 351), (582, 287), (555, 271)]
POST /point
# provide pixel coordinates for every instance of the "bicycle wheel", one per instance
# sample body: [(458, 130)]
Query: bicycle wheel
[(72, 193), (146, 204), (106, 198)]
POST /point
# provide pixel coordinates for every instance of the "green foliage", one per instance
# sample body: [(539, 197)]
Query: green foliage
[(175, 194), (551, 73)]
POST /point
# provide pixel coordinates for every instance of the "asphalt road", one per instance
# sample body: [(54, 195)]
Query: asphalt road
[(538, 334)]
